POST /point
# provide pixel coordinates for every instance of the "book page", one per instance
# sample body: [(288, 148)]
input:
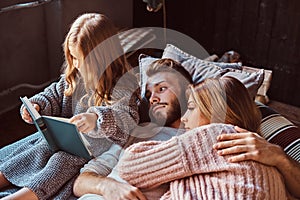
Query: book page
[(32, 111), (63, 119), (39, 123), (85, 142)]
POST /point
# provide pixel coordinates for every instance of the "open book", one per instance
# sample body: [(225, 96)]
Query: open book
[(59, 132)]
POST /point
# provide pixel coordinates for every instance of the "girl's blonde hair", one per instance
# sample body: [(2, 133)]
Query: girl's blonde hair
[(95, 36), (226, 100)]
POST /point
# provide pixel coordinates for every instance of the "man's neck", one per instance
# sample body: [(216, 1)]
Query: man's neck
[(176, 124)]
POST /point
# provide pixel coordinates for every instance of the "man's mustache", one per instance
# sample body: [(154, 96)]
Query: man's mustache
[(153, 106)]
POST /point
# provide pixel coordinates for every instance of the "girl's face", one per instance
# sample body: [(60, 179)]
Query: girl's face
[(77, 57), (193, 117)]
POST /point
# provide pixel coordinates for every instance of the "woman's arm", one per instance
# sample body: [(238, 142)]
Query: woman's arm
[(250, 146), (150, 164)]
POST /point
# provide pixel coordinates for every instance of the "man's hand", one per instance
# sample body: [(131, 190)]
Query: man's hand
[(109, 188), (247, 145), (85, 122), (121, 191)]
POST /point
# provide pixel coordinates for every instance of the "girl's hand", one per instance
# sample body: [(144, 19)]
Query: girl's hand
[(85, 122), (25, 114), (247, 145)]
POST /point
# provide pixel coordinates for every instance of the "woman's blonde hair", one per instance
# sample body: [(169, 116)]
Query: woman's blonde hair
[(226, 100), (95, 36)]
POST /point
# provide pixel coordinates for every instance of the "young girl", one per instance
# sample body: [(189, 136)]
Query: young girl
[(190, 164), (97, 90)]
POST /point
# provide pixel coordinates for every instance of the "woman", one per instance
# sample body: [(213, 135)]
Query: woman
[(97, 90), (189, 162)]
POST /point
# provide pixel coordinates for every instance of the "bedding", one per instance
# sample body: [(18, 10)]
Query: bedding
[(278, 130), (201, 69), (274, 127)]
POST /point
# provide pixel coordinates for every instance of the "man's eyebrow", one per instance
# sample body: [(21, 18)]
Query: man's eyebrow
[(160, 82), (155, 84)]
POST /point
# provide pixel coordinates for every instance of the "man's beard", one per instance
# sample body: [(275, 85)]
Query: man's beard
[(167, 119)]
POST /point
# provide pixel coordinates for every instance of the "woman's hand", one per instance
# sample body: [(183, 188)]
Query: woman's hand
[(250, 146), (85, 122), (25, 114), (247, 145)]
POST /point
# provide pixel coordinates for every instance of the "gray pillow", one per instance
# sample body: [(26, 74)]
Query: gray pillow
[(144, 62), (201, 69), (177, 54)]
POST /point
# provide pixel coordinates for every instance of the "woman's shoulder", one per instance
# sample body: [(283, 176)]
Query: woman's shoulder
[(216, 128)]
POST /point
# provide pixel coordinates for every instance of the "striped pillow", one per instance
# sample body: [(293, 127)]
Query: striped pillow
[(278, 130)]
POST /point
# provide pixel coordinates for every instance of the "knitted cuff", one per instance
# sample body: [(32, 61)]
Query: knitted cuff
[(108, 125)]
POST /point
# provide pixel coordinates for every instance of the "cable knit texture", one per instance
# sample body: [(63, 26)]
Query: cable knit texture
[(114, 122), (50, 174), (196, 171)]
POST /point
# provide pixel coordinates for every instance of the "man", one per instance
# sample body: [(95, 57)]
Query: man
[(166, 84), (167, 95)]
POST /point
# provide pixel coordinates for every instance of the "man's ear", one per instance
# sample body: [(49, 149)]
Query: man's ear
[(143, 109)]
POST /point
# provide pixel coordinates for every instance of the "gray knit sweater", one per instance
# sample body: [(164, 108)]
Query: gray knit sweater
[(114, 122), (51, 175)]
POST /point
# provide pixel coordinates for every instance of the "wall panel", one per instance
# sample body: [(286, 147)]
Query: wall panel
[(31, 41), (265, 32)]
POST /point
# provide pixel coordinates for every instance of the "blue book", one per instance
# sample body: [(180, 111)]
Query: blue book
[(60, 134)]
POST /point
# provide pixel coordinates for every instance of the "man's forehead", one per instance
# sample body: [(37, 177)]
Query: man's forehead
[(164, 77)]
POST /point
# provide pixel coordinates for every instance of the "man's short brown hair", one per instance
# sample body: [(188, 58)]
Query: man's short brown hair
[(168, 65)]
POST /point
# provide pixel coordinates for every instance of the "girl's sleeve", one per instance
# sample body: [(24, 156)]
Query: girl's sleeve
[(104, 163), (150, 164), (50, 100), (116, 121)]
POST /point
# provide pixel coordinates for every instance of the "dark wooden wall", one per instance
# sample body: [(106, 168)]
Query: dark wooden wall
[(31, 41), (31, 51), (265, 32)]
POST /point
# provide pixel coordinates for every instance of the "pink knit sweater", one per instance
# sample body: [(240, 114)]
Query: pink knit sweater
[(196, 171)]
